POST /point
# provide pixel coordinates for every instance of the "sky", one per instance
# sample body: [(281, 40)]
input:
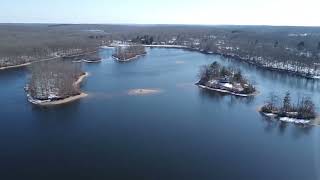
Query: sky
[(205, 12)]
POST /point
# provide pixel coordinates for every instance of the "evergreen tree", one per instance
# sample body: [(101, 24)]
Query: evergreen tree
[(287, 102)]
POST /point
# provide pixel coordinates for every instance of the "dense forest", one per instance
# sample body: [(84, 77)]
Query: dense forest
[(290, 49), (24, 43)]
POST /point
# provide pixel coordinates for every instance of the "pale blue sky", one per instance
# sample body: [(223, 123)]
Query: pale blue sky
[(248, 12)]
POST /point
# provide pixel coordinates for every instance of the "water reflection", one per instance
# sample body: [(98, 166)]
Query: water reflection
[(271, 125), (212, 95), (316, 150), (231, 100)]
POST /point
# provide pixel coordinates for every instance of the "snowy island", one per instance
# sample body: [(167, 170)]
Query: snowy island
[(216, 77), (91, 57), (303, 113), (54, 83), (129, 52)]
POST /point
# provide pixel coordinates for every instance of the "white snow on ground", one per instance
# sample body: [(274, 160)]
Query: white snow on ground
[(225, 91), (270, 114), (52, 96), (293, 120), (107, 47), (227, 85)]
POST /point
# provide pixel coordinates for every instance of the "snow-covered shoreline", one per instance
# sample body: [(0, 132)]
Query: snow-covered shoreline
[(15, 66), (248, 60), (57, 102), (61, 101), (292, 120), (287, 119), (155, 46), (87, 61), (41, 60), (130, 59), (166, 46), (226, 91)]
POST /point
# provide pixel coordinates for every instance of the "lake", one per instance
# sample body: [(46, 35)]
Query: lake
[(181, 132)]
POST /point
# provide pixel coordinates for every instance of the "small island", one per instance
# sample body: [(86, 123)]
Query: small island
[(143, 92), (55, 82), (216, 77), (128, 52), (302, 113), (92, 57)]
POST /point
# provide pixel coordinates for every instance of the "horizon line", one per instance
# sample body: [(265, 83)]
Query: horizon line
[(159, 24)]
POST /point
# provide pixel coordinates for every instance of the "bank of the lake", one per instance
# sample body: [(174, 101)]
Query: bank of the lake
[(128, 59), (230, 55)]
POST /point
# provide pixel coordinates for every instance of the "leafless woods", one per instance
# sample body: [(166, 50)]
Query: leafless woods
[(54, 80)]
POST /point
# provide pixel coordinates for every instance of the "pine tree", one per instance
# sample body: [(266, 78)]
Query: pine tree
[(287, 102)]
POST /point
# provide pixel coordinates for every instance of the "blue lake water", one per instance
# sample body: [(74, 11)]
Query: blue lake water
[(181, 133)]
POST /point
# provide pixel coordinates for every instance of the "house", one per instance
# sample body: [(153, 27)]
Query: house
[(224, 80), (238, 87)]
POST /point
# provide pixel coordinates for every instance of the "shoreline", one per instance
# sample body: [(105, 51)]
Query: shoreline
[(88, 61), (235, 57), (15, 66), (62, 101), (81, 54), (81, 78), (167, 46), (151, 46), (127, 60), (41, 60), (27, 64), (227, 92)]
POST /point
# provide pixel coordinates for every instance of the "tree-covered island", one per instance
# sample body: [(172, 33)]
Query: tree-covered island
[(129, 52), (223, 79), (54, 82), (301, 112)]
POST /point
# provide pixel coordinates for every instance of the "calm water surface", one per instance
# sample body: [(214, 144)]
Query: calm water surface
[(180, 133)]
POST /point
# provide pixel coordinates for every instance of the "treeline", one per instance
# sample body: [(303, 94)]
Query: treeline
[(53, 80), (290, 49), (123, 53), (146, 39), (20, 44), (304, 108), (284, 57), (294, 49)]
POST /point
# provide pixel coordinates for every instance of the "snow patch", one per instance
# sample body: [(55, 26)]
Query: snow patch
[(294, 120)]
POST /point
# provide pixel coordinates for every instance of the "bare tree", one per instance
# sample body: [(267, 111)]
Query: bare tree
[(53, 80)]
